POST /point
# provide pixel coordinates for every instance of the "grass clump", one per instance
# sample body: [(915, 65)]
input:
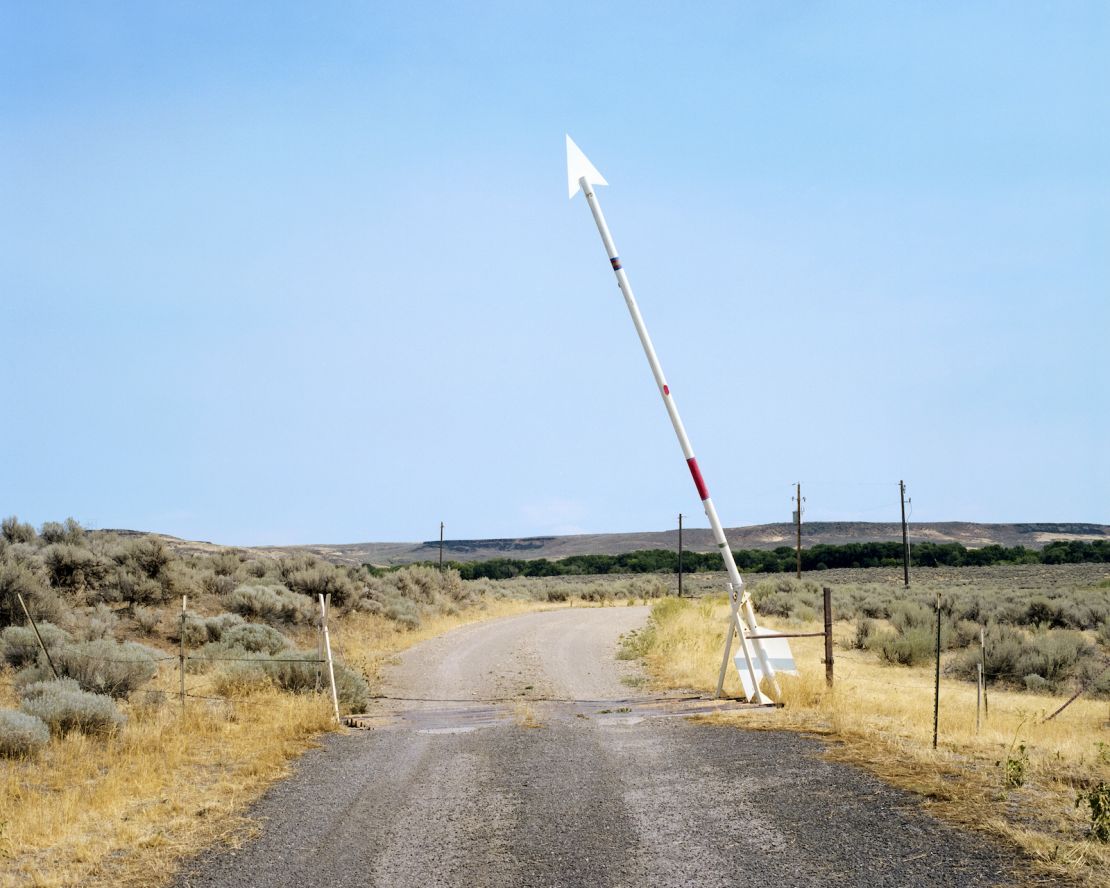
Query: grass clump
[(65, 707), (21, 734)]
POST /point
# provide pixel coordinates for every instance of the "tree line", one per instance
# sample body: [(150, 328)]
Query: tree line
[(784, 559)]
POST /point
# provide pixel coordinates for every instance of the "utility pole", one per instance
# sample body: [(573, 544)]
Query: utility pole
[(679, 554), (905, 536), (798, 523), (441, 545)]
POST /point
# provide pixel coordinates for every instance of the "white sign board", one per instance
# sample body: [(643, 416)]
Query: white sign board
[(778, 655)]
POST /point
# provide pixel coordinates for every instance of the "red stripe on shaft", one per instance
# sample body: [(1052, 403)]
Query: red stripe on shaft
[(699, 482)]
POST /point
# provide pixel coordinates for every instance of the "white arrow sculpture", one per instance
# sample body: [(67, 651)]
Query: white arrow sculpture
[(761, 654)]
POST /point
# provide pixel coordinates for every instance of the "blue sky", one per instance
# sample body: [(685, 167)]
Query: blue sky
[(277, 273)]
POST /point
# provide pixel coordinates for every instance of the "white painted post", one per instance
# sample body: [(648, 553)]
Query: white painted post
[(583, 175), (327, 648)]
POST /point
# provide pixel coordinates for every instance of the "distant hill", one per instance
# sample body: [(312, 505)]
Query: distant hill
[(760, 536)]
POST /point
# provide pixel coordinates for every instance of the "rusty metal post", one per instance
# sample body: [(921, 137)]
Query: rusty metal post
[(936, 686), (679, 554), (828, 636)]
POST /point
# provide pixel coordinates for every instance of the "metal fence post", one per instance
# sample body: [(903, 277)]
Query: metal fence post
[(181, 650), (827, 592)]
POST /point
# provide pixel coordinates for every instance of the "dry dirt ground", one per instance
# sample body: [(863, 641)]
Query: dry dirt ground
[(511, 754)]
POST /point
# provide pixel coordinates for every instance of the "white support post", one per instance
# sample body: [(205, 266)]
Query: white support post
[(583, 175), (327, 648)]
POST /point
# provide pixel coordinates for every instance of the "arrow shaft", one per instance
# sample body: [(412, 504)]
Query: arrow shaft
[(740, 600)]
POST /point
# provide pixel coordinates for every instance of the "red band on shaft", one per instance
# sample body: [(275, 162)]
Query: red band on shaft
[(699, 482)]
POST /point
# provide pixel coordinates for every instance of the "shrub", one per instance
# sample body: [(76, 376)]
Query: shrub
[(107, 667), (69, 532), (220, 624), (271, 603), (22, 573), (240, 679), (775, 604), (225, 564), (74, 568), (149, 556), (21, 734), (601, 592), (1014, 767), (405, 612), (875, 608), (647, 587), (15, 531), (299, 677), (218, 584), (323, 580), (136, 588), (1043, 612), (1036, 683), (256, 638), (65, 707), (965, 632), (194, 629), (1097, 799), (147, 619), (914, 647), (1005, 648), (99, 622), (1049, 657), (1055, 655), (369, 606), (557, 593), (865, 631), (19, 647)]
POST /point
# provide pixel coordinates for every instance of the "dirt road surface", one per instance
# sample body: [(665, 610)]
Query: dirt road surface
[(517, 758)]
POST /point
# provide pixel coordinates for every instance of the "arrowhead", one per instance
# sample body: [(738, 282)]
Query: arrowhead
[(579, 166)]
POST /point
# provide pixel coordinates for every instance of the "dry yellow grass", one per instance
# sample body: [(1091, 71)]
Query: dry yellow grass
[(124, 810), (882, 718), (114, 811)]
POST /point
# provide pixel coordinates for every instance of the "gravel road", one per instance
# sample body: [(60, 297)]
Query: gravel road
[(523, 792)]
